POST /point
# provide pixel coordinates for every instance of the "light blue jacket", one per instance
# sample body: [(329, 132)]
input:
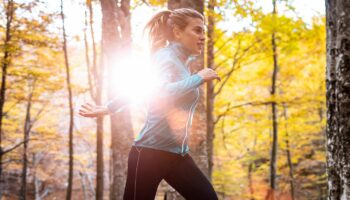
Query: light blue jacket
[(170, 112)]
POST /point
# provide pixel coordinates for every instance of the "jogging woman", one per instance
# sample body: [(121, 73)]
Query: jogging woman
[(161, 149)]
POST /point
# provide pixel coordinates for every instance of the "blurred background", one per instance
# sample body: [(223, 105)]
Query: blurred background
[(258, 133)]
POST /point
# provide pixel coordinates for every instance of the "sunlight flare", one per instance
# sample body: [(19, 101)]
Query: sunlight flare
[(134, 78)]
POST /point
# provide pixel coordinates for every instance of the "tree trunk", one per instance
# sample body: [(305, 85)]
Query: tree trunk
[(71, 122), (273, 162), (108, 42), (250, 181), (83, 185), (122, 133), (38, 182), (210, 87), (26, 132), (196, 4), (95, 78), (334, 187), (4, 65), (88, 63), (338, 98), (198, 139), (289, 156), (99, 134), (116, 38), (95, 69)]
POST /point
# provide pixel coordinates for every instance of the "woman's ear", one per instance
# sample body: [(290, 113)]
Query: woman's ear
[(177, 32)]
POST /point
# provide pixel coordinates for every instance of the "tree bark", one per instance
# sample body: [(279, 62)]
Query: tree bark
[(4, 67), (116, 39), (87, 60), (334, 188), (122, 133), (250, 181), (37, 182), (273, 162), (198, 137), (210, 87), (71, 122), (83, 185), (26, 132), (95, 78), (289, 154), (95, 70), (338, 98), (196, 4)]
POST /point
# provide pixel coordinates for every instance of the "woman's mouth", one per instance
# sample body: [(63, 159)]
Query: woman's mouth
[(200, 45)]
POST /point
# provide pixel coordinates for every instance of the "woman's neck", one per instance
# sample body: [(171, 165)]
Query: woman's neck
[(181, 51)]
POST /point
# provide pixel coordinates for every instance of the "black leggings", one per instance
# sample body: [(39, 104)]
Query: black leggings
[(147, 167)]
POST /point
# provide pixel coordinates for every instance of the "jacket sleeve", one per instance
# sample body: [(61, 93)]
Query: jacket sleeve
[(171, 84), (116, 104)]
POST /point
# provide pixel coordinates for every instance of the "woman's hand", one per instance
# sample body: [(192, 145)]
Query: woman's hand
[(89, 110), (208, 74)]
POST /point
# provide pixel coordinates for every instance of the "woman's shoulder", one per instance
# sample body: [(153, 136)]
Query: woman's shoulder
[(162, 56)]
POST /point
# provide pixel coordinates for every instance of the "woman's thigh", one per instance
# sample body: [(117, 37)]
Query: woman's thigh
[(189, 181), (146, 168)]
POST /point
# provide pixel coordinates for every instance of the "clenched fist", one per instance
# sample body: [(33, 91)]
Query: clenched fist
[(208, 74)]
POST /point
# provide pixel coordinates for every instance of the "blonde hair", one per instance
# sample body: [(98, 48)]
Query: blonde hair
[(161, 25)]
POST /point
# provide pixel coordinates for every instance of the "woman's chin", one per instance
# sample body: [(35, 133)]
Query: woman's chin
[(196, 52)]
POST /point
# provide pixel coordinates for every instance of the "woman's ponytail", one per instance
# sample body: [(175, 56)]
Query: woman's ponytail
[(158, 30)]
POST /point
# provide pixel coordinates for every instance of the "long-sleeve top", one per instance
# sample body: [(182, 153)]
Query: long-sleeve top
[(170, 111)]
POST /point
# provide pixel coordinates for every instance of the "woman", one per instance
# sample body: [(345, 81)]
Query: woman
[(161, 149)]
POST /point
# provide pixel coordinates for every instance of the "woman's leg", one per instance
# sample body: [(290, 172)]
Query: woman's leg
[(146, 168), (186, 178)]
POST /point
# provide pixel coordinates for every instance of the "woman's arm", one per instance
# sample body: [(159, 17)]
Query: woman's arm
[(116, 105), (90, 110), (171, 86)]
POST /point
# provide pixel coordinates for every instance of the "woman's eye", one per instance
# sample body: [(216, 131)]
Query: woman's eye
[(198, 31)]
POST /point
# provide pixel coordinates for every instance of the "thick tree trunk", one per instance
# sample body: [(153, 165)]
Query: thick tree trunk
[(70, 96), (4, 65), (107, 40), (334, 187), (116, 38), (122, 133), (198, 137), (210, 87), (338, 98)]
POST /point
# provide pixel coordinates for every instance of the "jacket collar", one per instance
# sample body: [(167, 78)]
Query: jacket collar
[(180, 51)]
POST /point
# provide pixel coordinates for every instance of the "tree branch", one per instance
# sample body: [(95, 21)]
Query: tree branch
[(259, 103), (16, 146), (235, 65)]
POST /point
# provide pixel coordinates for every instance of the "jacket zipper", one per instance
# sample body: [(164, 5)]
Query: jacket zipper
[(189, 120)]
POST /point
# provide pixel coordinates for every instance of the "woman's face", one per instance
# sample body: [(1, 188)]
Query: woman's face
[(192, 37)]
